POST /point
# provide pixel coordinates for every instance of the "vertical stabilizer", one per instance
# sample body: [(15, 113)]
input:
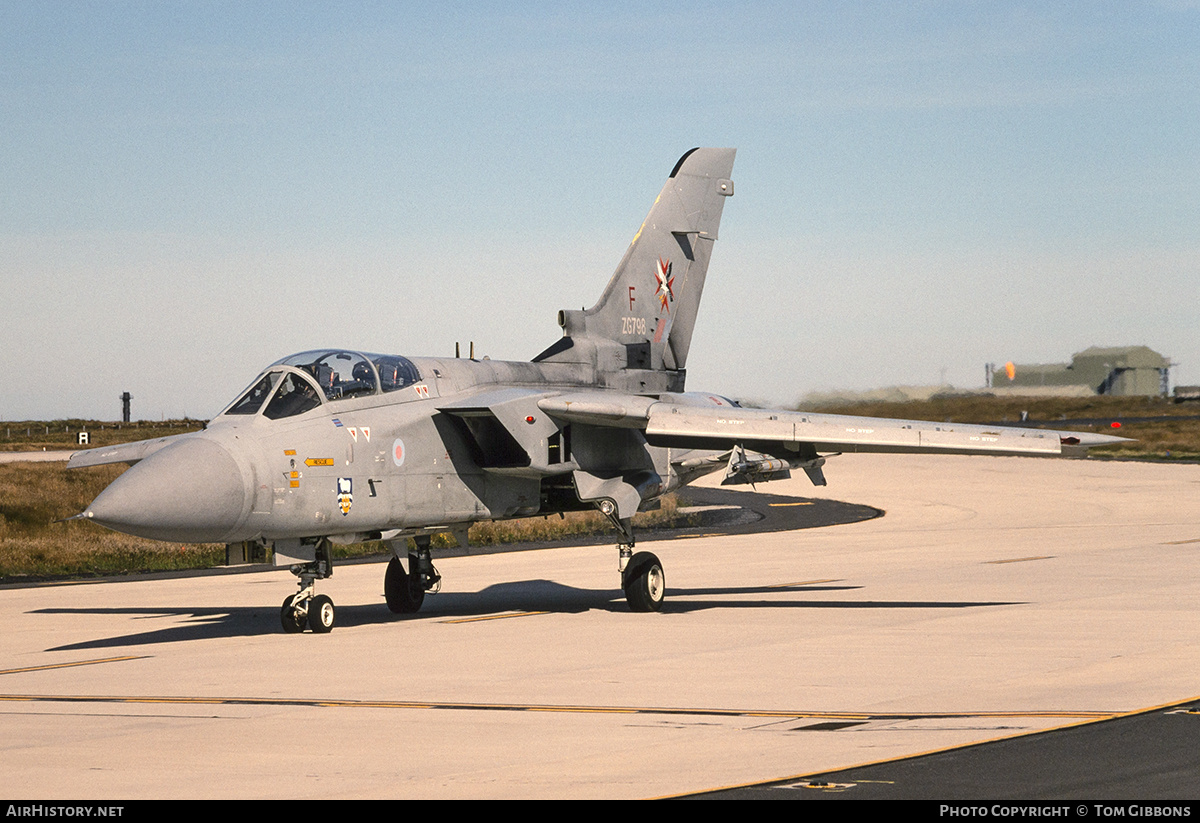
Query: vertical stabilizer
[(644, 319)]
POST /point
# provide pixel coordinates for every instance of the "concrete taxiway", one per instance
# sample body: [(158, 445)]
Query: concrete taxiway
[(996, 597)]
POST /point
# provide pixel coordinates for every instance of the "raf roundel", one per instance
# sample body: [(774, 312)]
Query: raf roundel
[(398, 452)]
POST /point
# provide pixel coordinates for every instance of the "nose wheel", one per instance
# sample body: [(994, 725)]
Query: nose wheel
[(316, 613), (305, 607), (293, 617), (321, 614)]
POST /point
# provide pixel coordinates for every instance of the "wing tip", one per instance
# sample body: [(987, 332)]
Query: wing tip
[(1089, 440)]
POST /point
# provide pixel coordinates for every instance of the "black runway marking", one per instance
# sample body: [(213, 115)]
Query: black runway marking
[(1148, 754)]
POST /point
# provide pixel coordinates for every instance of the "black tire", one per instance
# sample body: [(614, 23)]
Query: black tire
[(644, 583), (402, 597), (293, 619), (321, 614)]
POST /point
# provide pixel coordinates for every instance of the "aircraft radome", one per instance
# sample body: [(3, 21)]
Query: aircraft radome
[(332, 446)]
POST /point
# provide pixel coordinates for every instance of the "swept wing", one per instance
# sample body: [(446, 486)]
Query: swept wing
[(718, 424)]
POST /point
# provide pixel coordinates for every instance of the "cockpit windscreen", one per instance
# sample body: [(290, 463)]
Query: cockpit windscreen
[(252, 400)]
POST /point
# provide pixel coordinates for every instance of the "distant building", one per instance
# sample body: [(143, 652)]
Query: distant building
[(1124, 370)]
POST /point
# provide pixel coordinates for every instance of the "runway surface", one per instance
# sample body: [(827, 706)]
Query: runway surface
[(996, 597)]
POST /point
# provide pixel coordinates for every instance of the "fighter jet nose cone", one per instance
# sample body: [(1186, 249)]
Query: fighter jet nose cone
[(191, 491)]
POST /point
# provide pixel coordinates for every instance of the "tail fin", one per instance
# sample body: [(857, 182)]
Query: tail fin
[(643, 321)]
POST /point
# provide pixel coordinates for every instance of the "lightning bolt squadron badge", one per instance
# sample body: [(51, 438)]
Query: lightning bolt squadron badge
[(666, 284)]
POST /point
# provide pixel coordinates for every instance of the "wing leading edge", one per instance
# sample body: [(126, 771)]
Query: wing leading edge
[(707, 428), (122, 452)]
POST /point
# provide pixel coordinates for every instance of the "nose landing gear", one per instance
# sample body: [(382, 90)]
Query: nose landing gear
[(305, 607)]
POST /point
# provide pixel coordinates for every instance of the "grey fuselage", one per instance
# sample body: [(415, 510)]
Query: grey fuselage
[(420, 459)]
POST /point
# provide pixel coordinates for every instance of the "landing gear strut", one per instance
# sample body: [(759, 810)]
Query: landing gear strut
[(642, 576), (405, 591), (305, 607)]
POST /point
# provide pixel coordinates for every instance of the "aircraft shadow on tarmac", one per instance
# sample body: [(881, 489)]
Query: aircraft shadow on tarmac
[(771, 513), (496, 600)]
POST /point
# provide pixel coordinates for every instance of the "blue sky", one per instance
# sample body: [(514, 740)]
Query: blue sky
[(189, 191)]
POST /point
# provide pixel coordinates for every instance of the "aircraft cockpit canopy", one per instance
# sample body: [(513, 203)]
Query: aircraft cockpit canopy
[(321, 376)]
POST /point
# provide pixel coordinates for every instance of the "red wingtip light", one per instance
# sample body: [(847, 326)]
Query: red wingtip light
[(1116, 424)]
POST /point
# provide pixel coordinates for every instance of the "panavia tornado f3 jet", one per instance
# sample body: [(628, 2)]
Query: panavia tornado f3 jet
[(333, 446)]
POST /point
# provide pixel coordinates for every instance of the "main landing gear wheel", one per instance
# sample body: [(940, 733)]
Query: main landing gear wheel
[(402, 592), (293, 619), (321, 614), (644, 583)]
